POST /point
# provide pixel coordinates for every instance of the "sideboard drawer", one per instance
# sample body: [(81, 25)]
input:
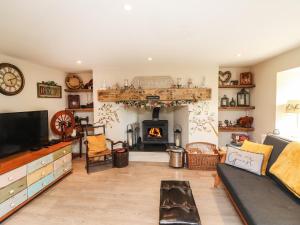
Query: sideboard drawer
[(63, 160), (38, 186), (39, 174), (62, 170), (36, 164), (60, 153), (12, 176), (12, 189), (13, 202)]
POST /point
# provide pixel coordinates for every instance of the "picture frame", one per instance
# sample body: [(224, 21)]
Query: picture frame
[(74, 101), (246, 78), (48, 91)]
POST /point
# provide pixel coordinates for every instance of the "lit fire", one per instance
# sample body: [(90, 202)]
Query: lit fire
[(155, 132)]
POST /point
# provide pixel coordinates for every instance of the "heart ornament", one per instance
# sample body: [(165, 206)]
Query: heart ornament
[(224, 77)]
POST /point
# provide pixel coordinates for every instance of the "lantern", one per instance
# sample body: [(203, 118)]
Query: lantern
[(243, 98), (130, 135), (224, 101), (177, 136)]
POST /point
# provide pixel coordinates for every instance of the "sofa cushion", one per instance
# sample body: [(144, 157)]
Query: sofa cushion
[(249, 161), (278, 146), (259, 198), (266, 150), (287, 167)]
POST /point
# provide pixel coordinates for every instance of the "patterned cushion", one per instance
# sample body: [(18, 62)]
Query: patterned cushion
[(249, 161)]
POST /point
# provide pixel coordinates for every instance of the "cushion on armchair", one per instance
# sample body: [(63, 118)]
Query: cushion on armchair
[(96, 145)]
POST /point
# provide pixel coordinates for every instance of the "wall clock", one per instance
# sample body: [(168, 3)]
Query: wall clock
[(11, 79)]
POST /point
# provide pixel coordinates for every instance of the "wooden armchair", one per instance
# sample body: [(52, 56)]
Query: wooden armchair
[(101, 157)]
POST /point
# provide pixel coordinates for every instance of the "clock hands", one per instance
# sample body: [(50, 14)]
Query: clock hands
[(10, 80)]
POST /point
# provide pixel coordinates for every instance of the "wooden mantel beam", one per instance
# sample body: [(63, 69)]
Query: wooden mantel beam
[(162, 94)]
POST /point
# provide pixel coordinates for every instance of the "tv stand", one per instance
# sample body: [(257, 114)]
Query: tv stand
[(35, 148), (26, 175)]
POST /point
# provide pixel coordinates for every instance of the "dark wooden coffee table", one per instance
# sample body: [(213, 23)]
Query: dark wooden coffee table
[(177, 204)]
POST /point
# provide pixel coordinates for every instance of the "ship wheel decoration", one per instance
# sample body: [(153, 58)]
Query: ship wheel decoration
[(63, 123)]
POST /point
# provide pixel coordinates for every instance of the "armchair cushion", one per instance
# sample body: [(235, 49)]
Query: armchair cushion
[(96, 145)]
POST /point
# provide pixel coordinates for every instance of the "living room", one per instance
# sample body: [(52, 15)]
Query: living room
[(149, 112)]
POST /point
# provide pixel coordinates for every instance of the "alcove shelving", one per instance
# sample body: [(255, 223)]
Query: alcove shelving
[(233, 113)]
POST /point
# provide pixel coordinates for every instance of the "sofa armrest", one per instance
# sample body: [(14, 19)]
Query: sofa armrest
[(222, 155)]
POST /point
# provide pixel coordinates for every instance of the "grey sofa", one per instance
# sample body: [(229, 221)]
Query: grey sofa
[(261, 200)]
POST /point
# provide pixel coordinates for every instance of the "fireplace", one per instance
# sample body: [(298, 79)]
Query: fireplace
[(155, 131)]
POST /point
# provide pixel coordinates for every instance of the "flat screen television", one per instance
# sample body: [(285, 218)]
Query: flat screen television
[(22, 131)]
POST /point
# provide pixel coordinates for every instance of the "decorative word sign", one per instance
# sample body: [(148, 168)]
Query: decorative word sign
[(165, 94), (48, 91)]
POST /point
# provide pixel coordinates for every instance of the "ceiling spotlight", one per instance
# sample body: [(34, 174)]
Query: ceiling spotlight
[(239, 55), (78, 61), (149, 58), (127, 7)]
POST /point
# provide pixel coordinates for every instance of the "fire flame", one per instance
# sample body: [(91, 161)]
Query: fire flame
[(155, 132)]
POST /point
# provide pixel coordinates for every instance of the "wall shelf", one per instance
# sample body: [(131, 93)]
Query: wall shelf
[(81, 110), (237, 108), (78, 90), (237, 86), (235, 129)]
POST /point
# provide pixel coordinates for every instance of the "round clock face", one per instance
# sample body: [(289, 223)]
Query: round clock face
[(11, 79)]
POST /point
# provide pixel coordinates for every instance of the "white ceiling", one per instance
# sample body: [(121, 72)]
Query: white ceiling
[(57, 33)]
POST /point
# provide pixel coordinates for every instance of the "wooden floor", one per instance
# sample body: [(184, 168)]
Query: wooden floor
[(128, 196)]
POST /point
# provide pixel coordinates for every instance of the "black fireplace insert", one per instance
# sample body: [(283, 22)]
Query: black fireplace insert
[(155, 131)]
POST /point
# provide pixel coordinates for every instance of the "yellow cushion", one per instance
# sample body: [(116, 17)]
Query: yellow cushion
[(266, 150), (96, 144), (287, 167)]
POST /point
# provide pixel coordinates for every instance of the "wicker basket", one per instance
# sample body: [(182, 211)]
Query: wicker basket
[(202, 156)]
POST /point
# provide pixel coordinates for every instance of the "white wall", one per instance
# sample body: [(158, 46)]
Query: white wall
[(206, 74), (27, 100), (180, 117), (287, 89), (264, 95)]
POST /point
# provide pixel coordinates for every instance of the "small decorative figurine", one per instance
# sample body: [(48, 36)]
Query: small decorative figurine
[(226, 123), (190, 83)]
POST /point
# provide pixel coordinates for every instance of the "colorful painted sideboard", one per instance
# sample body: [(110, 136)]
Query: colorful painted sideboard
[(26, 175)]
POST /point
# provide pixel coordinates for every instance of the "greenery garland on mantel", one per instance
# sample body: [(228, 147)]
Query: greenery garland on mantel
[(150, 104)]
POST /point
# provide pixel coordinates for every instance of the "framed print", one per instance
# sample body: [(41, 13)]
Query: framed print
[(246, 78)]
